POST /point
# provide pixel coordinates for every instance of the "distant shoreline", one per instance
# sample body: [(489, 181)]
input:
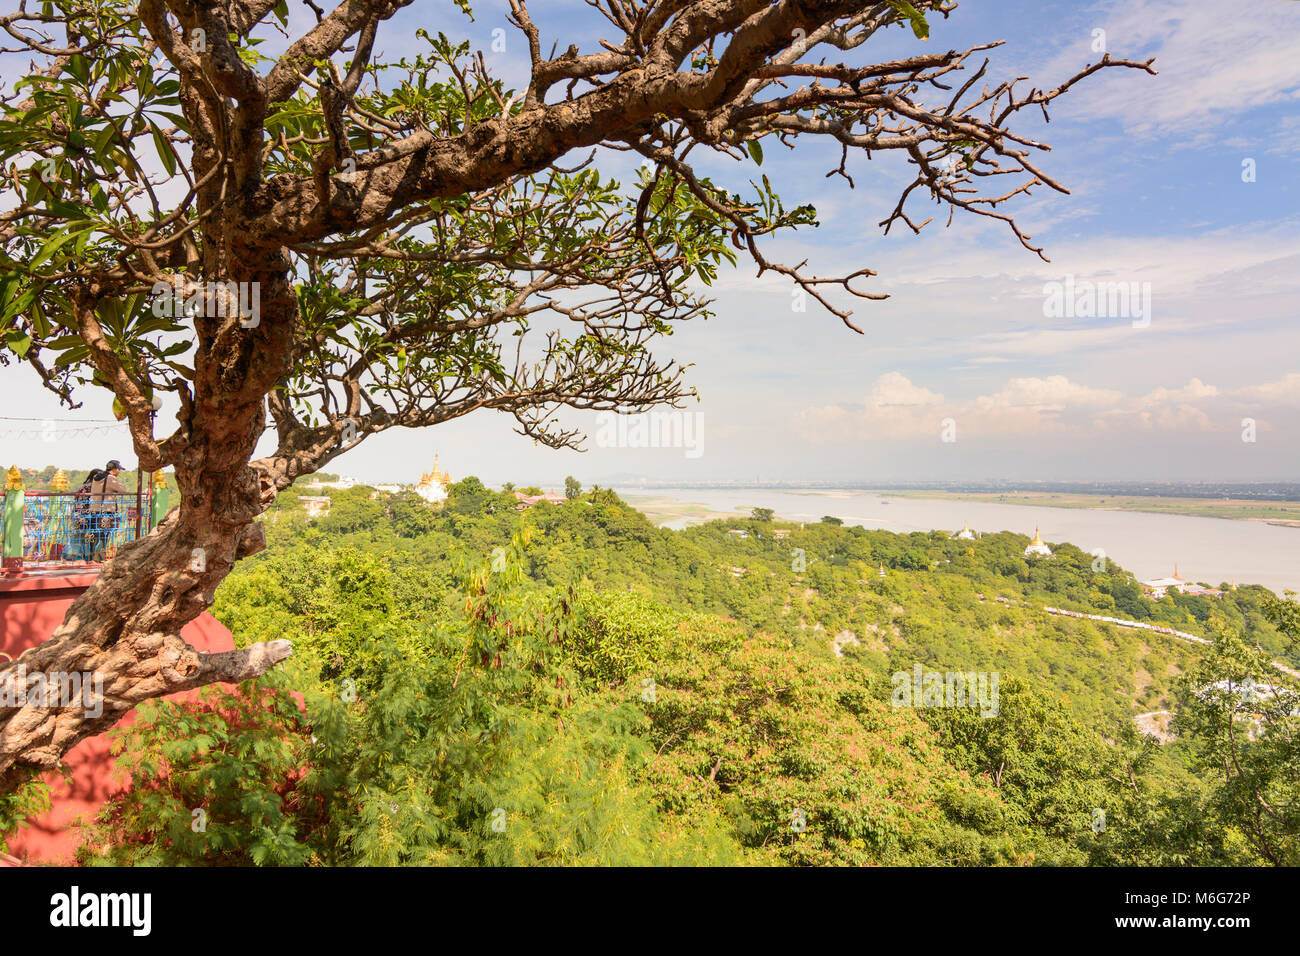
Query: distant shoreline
[(661, 507), (1281, 513)]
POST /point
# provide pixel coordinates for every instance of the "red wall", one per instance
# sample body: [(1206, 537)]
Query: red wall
[(31, 607)]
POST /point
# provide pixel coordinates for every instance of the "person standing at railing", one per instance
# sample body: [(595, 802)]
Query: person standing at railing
[(84, 521), (104, 508)]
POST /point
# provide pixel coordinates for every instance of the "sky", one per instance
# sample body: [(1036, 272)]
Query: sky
[(1185, 187)]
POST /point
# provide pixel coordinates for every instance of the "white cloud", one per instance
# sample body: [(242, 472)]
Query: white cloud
[(1054, 393), (1024, 407), (1284, 392), (893, 389), (1213, 63), (1195, 389)]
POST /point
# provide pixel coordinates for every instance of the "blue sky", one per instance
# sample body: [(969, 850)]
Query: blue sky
[(1155, 168)]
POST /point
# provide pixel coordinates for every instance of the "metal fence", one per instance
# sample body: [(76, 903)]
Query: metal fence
[(63, 526)]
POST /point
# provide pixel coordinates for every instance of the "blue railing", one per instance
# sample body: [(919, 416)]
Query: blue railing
[(63, 526)]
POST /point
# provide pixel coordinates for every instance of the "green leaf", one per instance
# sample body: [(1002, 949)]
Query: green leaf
[(919, 25), (164, 147), (103, 138), (178, 118), (21, 304), (755, 151), (8, 286), (77, 67), (97, 197), (18, 341), (51, 247)]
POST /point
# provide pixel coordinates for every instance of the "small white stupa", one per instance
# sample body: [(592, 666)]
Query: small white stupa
[(1037, 547)]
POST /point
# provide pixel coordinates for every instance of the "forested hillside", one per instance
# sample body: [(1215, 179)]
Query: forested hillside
[(569, 684)]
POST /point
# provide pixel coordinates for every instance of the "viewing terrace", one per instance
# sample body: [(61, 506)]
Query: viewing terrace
[(63, 530), (54, 544)]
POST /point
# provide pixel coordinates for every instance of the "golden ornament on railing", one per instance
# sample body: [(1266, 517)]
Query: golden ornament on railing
[(15, 482), (60, 482)]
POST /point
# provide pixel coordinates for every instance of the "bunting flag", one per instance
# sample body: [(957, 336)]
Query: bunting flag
[(52, 432)]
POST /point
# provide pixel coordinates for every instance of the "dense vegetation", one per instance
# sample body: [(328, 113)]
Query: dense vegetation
[(569, 684)]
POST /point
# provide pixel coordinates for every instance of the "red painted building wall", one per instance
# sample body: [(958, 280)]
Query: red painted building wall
[(32, 605)]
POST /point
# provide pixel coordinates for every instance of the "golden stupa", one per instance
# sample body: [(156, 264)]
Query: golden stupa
[(1037, 546), (437, 476), (433, 484)]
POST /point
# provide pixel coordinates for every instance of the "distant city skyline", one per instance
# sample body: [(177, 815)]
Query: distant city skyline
[(1174, 355)]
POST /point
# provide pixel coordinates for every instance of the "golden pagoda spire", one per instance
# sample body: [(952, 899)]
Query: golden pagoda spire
[(59, 482), (1175, 569), (1037, 539), (15, 482), (159, 479), (435, 477)]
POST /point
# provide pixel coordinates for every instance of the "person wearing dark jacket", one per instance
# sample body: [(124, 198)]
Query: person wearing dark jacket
[(105, 488), (108, 484)]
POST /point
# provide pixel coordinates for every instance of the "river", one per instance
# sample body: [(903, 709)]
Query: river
[(1214, 550)]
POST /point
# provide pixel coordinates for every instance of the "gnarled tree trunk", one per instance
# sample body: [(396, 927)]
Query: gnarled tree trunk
[(125, 628)]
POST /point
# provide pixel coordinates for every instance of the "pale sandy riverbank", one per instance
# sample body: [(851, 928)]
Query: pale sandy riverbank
[(1281, 513)]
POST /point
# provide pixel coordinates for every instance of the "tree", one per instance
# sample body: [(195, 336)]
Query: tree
[(810, 767), (411, 514), (347, 245), (469, 497), (762, 514), (351, 511), (369, 766), (572, 488), (1241, 711), (831, 519)]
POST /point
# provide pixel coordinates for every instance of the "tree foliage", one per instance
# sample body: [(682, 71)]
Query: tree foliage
[(254, 222), (620, 696)]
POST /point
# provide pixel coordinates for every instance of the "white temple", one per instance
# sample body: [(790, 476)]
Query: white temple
[(433, 485), (965, 534), (1159, 587), (1037, 547)]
